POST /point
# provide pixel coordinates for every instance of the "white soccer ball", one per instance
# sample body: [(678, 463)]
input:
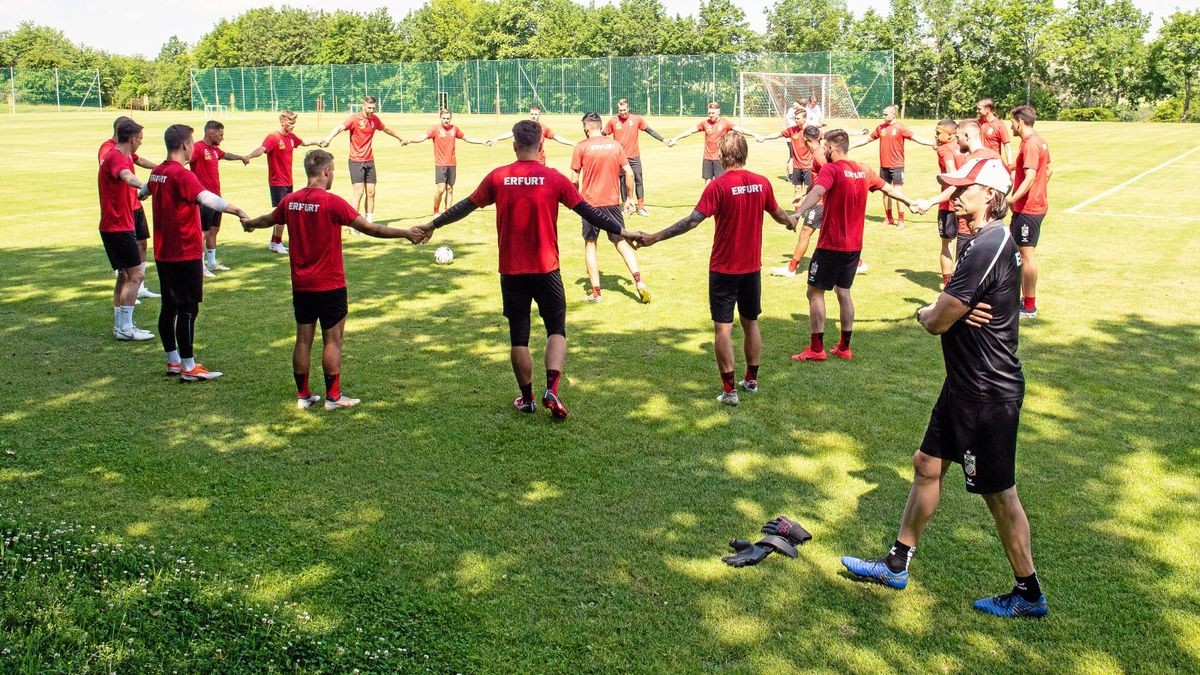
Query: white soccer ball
[(443, 255)]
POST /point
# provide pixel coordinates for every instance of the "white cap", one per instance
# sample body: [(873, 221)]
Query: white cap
[(986, 172)]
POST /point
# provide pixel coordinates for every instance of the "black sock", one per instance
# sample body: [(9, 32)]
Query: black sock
[(846, 339), (1028, 587), (751, 372), (527, 391), (897, 559)]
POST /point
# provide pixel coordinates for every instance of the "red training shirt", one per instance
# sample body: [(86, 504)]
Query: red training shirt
[(443, 144), (547, 134), (738, 199), (626, 131), (949, 158), (1034, 154), (279, 157), (846, 186), (713, 131), (314, 219), (599, 161), (362, 134), (526, 195), (116, 212), (994, 135), (107, 146), (803, 157), (204, 163), (891, 144), (177, 235)]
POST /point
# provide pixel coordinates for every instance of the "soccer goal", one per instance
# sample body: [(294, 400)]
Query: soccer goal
[(355, 107), (769, 95), (215, 110)]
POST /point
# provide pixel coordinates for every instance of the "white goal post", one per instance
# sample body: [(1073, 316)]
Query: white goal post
[(215, 110), (769, 95)]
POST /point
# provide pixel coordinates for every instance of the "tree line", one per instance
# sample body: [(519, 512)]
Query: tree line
[(1091, 59)]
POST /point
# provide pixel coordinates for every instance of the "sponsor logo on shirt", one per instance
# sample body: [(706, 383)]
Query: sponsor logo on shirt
[(302, 206), (745, 189), (524, 180)]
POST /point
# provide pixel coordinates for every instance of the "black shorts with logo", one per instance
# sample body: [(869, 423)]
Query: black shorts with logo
[(979, 435), (801, 176), (1027, 228), (445, 174), (711, 168), (947, 224), (210, 218), (519, 291), (181, 282), (362, 172), (328, 307), (592, 233), (141, 228), (278, 192), (813, 217), (122, 249), (727, 290), (893, 175), (833, 268)]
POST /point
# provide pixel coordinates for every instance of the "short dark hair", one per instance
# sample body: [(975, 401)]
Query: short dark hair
[(969, 124), (591, 118), (948, 124), (535, 107), (838, 139), (812, 132), (127, 129), (316, 161), (998, 207), (117, 122), (734, 150), (987, 103), (176, 135), (369, 99), (622, 101), (212, 124), (527, 134), (445, 111), (1024, 113)]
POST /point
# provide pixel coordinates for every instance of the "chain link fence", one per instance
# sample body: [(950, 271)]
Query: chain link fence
[(50, 89)]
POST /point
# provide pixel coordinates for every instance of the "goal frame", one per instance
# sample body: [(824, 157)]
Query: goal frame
[(827, 81)]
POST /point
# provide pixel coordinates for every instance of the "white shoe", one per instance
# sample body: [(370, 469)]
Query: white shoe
[(217, 267), (144, 292), (729, 398), (784, 271), (643, 212), (207, 272), (343, 401), (134, 334), (593, 298), (306, 403), (277, 247)]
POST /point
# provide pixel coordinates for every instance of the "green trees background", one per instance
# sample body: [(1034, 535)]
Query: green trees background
[(1088, 54)]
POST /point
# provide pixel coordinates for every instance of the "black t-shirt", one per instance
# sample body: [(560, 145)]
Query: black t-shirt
[(982, 363)]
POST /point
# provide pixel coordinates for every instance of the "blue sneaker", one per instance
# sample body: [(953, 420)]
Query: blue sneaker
[(1011, 605), (876, 570)]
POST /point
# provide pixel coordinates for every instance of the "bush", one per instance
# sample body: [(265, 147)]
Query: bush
[(1172, 109), (1086, 115)]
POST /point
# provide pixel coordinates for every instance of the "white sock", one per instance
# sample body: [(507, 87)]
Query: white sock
[(212, 257), (125, 320), (189, 364), (116, 317), (173, 356), (370, 217)]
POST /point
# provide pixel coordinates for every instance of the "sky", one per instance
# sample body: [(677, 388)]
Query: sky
[(142, 27)]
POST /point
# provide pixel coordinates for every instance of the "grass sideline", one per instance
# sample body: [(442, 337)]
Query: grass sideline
[(434, 520)]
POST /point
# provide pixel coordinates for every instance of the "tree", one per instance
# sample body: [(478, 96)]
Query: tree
[(1100, 49), (1175, 57), (724, 29), (807, 25)]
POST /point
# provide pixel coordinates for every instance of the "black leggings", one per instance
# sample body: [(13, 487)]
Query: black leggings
[(177, 326)]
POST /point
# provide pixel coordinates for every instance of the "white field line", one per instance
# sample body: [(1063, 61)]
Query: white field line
[(1117, 188), (1136, 216)]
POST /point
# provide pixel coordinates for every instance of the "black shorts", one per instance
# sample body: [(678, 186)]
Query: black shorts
[(711, 168), (328, 307), (122, 249), (947, 224), (362, 172), (893, 175), (801, 177), (210, 218), (141, 229), (518, 291), (979, 435), (1026, 228), (813, 217), (635, 163), (181, 282), (445, 174), (726, 290), (833, 268), (278, 192), (592, 233)]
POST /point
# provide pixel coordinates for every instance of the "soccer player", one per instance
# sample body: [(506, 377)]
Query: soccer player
[(1028, 200), (119, 187), (140, 226), (445, 160), (527, 194), (625, 127), (975, 420), (993, 131), (713, 127), (362, 126), (204, 163), (314, 218), (535, 115), (179, 250), (843, 184), (279, 146), (800, 156), (810, 221), (891, 135), (599, 163), (738, 198), (949, 158)]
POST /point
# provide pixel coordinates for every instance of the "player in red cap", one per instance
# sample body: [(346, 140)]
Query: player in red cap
[(445, 159)]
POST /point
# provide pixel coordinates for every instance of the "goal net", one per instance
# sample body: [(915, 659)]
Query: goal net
[(770, 95)]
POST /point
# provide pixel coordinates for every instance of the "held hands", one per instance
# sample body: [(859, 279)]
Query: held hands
[(245, 161), (920, 206), (323, 143), (490, 142), (671, 142), (245, 222), (793, 221), (420, 234)]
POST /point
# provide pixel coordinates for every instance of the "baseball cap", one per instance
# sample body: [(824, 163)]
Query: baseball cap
[(986, 172)]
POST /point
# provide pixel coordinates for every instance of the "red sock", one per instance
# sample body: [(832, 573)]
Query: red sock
[(1030, 303), (277, 239), (333, 386), (844, 343), (637, 277), (302, 390), (727, 381), (641, 203), (889, 215), (817, 343), (552, 377), (900, 215), (595, 290), (751, 373), (793, 264)]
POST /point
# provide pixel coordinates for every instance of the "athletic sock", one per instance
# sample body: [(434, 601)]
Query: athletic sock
[(1030, 303), (117, 317), (817, 342), (1028, 587), (125, 319), (333, 386), (277, 239), (527, 391), (212, 256), (727, 381), (189, 363), (751, 373), (370, 217), (552, 377), (793, 265), (641, 203), (844, 343), (596, 291), (173, 356), (900, 216), (889, 215), (898, 558), (637, 277), (946, 280), (302, 389)]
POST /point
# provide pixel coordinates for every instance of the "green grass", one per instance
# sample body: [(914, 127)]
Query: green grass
[(437, 524)]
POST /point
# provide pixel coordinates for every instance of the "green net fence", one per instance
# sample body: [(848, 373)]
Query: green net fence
[(53, 88), (657, 85)]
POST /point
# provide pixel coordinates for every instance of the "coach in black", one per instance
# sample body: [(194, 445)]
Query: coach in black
[(974, 422)]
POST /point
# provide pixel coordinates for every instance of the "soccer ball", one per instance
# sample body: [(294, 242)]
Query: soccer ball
[(443, 255)]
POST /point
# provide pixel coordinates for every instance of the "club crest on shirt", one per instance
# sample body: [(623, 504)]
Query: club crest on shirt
[(207, 154), (618, 125), (281, 144), (969, 463)]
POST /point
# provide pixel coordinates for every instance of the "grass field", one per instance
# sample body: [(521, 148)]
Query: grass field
[(151, 526)]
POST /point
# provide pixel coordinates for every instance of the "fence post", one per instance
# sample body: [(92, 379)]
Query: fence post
[(12, 84), (714, 78), (610, 86), (271, 82), (216, 91), (57, 92), (301, 88), (99, 92), (242, 73), (660, 108)]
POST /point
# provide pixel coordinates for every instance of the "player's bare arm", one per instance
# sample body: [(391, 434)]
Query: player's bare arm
[(393, 134), (145, 163), (810, 200), (942, 314), (680, 136), (560, 139), (231, 157), (384, 232), (686, 224), (263, 221), (788, 220), (895, 193), (1026, 184), (744, 131)]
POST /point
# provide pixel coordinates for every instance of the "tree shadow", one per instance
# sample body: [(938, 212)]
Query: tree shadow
[(928, 280)]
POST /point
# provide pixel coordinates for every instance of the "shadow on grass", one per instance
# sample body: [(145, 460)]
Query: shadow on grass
[(497, 541)]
